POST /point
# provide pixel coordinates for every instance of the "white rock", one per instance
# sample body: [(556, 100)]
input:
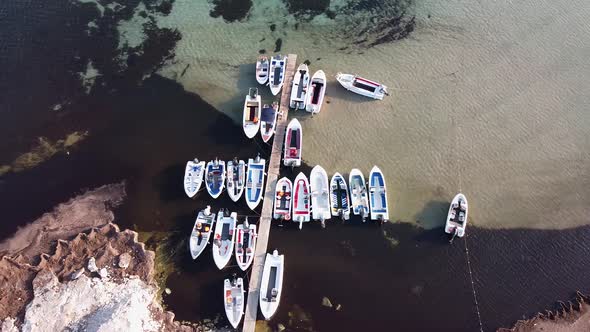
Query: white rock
[(76, 274), (124, 260), (92, 265), (281, 327), (326, 302), (168, 291), (103, 273)]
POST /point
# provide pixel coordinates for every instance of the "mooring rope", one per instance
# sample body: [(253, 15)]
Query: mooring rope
[(473, 285)]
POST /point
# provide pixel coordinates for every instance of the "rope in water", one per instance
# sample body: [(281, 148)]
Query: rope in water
[(473, 286)]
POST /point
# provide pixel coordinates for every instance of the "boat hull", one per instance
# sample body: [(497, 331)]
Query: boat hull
[(245, 245), (359, 201), (193, 177), (255, 182), (320, 197), (301, 206), (379, 207), (268, 121), (293, 144), (271, 285), (339, 200), (262, 67), (215, 177), (316, 92), (453, 223), (223, 239), (201, 232), (299, 88), (251, 115), (282, 202), (233, 298), (276, 79), (236, 179), (362, 86)]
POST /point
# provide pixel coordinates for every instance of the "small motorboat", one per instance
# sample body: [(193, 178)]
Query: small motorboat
[(233, 294), (293, 144), (301, 199), (262, 67), (339, 201), (215, 177), (358, 193), (268, 120), (362, 86), (278, 64), (299, 88), (282, 208), (252, 107), (236, 178), (201, 232), (457, 217), (223, 239), (271, 285), (255, 182), (245, 244), (316, 92), (193, 177), (378, 195), (320, 197)]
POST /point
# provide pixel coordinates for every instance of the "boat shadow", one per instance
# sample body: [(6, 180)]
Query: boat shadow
[(167, 185)]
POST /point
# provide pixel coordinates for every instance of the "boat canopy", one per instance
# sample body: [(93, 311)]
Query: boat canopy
[(268, 114)]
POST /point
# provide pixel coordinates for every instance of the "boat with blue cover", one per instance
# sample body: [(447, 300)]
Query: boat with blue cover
[(215, 177), (268, 120), (278, 65), (339, 201), (378, 195), (255, 182)]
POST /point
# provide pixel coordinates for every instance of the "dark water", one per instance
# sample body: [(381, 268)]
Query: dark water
[(144, 133)]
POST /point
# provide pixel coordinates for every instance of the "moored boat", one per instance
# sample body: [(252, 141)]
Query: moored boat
[(255, 181), (271, 285), (233, 296), (299, 88), (300, 199), (278, 64), (282, 206), (339, 201), (193, 177), (293, 144), (251, 116), (245, 244), (223, 239), (362, 86), (201, 231), (262, 66), (215, 177), (320, 197), (378, 196), (358, 193), (457, 216), (316, 92), (236, 178), (268, 120)]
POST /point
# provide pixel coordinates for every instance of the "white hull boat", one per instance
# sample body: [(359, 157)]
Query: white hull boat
[(278, 64), (362, 86), (293, 144), (223, 240), (320, 197), (233, 298), (299, 88), (215, 177), (255, 182), (457, 216), (378, 196), (300, 200), (251, 116), (339, 201), (316, 92), (201, 232), (193, 177), (245, 244), (262, 66), (283, 193), (358, 193), (268, 121), (271, 285), (236, 179)]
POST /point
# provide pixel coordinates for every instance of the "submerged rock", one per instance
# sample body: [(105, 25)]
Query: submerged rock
[(168, 291), (326, 302), (338, 307), (281, 327), (92, 265)]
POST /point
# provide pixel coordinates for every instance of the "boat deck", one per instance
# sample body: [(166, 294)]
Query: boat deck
[(267, 204)]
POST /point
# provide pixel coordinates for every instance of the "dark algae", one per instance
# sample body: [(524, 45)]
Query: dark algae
[(273, 27), (278, 44), (231, 10), (307, 7)]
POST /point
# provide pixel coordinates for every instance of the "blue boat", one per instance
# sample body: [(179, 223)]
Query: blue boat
[(255, 182), (378, 195), (215, 177), (339, 201)]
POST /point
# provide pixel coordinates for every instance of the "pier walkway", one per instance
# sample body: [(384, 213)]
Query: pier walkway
[(267, 204)]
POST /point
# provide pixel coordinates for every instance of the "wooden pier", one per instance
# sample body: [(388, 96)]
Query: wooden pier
[(274, 166)]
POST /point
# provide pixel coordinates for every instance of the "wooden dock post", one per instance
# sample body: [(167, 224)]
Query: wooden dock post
[(269, 194)]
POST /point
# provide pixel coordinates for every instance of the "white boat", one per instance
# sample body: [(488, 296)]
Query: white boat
[(251, 118), (271, 285), (268, 120), (300, 200), (320, 196), (283, 193), (193, 177), (255, 182), (236, 179), (299, 88), (358, 193), (378, 196), (457, 216), (245, 244), (223, 239), (233, 298), (316, 92), (278, 65), (201, 232), (362, 86), (215, 177), (262, 67), (339, 201), (293, 144)]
